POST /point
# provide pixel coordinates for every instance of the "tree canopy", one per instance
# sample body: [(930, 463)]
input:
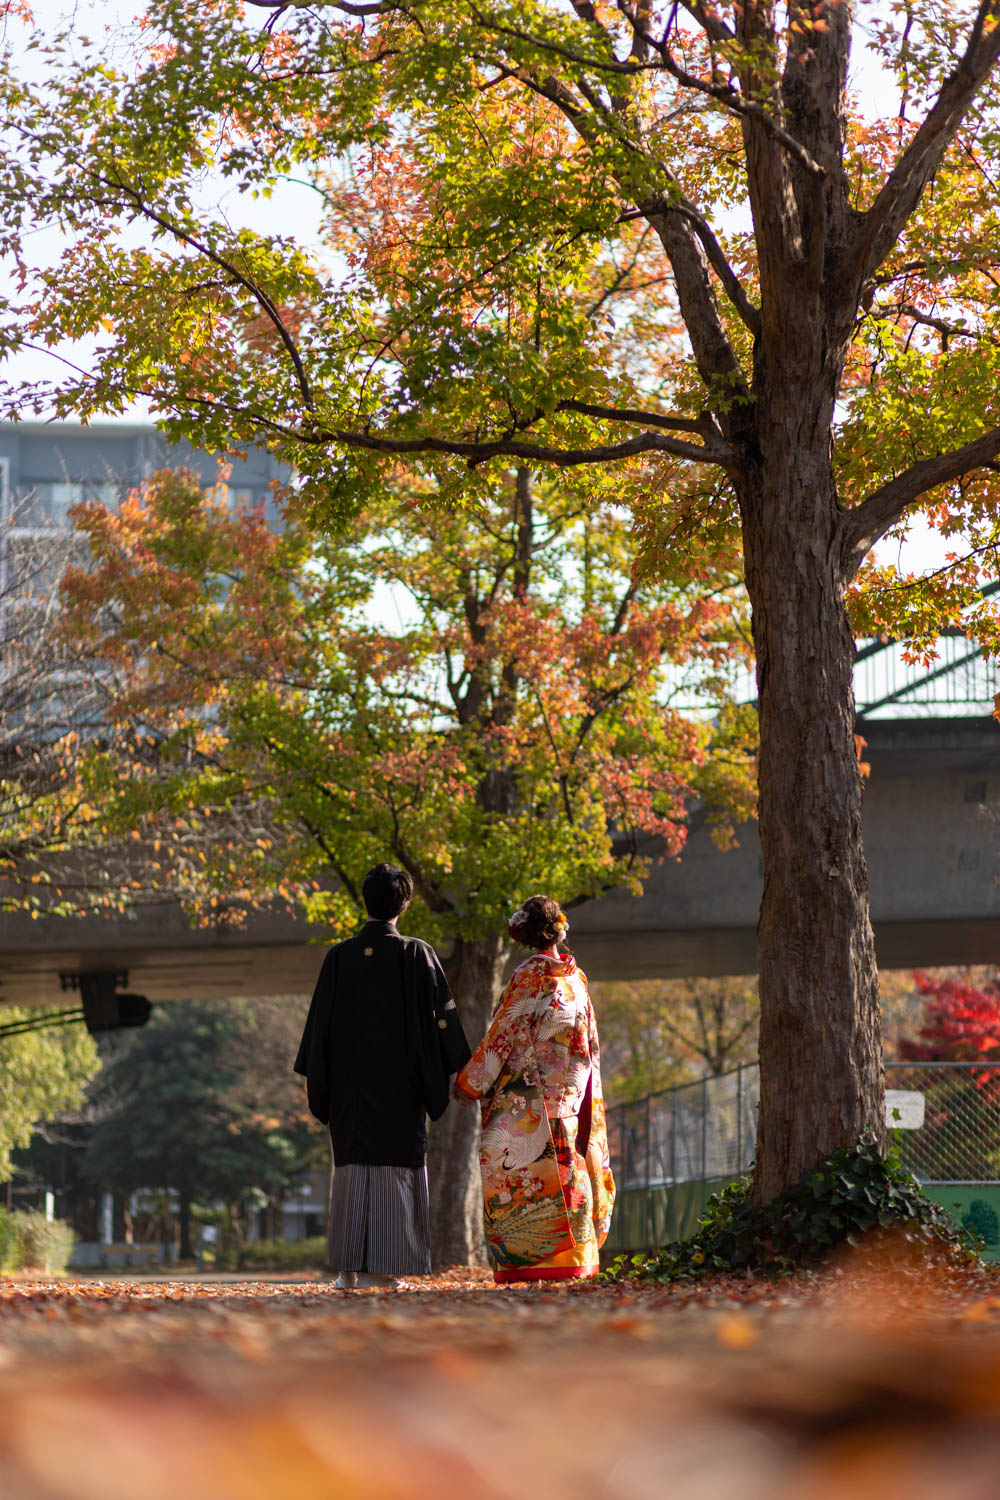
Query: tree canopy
[(42, 1074), (513, 732), (543, 230), (961, 1021)]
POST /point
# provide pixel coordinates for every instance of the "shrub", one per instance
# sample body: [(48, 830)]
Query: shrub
[(30, 1242), (10, 1241), (47, 1244), (852, 1193), (275, 1255)]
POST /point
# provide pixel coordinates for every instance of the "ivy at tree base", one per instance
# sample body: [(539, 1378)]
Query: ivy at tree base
[(854, 1193)]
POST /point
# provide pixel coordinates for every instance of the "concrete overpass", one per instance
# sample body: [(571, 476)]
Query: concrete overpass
[(933, 864), (933, 857)]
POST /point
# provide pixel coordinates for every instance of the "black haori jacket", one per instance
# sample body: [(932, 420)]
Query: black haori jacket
[(381, 1040)]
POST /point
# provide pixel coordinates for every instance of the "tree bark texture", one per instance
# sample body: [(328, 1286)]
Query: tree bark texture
[(475, 975), (820, 1049)]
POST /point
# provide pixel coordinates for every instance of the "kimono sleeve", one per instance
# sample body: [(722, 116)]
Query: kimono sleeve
[(595, 1049), (442, 1048), (313, 1059), (509, 1034)]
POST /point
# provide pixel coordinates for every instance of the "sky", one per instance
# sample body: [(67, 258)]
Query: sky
[(295, 207)]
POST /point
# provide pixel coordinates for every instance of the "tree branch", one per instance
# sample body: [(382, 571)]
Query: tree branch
[(246, 281), (724, 94), (715, 450), (881, 226), (865, 523), (731, 284), (713, 26), (941, 325), (671, 219), (702, 426), (479, 452), (714, 355), (375, 8)]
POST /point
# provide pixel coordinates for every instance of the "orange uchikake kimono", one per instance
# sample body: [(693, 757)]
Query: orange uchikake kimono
[(548, 1191)]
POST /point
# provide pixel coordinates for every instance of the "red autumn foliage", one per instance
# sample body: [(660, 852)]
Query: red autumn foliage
[(962, 1021), (962, 1024)]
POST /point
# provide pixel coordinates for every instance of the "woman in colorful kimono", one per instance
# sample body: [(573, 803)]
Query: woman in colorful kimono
[(548, 1191)]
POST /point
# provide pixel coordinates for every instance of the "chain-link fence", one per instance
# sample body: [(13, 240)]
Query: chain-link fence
[(684, 1134), (959, 1140), (671, 1150)]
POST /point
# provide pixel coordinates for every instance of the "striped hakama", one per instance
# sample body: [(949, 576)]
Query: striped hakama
[(379, 1220)]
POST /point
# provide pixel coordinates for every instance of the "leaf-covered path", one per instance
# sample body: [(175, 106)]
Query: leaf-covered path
[(870, 1379)]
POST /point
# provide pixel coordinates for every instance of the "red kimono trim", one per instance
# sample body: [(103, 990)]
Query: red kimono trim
[(506, 1274)]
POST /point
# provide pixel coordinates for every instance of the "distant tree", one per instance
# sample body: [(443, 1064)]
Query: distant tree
[(901, 1007), (961, 1020), (655, 1033), (981, 1219), (206, 1107), (42, 1073)]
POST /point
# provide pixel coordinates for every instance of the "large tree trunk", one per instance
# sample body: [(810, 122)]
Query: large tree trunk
[(475, 973), (821, 1073)]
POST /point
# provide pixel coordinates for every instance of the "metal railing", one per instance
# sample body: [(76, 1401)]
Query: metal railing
[(706, 1131), (959, 1141), (960, 681)]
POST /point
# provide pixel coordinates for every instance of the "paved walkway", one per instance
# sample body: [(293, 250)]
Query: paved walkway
[(873, 1384)]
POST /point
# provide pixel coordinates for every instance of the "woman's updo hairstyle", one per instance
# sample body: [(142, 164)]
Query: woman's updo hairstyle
[(539, 923)]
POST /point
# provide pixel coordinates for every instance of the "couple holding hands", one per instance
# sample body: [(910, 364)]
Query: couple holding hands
[(382, 1043)]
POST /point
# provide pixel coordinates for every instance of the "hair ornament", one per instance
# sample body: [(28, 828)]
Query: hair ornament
[(517, 921)]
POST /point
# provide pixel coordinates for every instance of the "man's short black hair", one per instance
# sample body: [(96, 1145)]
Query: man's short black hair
[(386, 890)]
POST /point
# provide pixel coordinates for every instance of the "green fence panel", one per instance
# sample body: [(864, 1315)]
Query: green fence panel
[(646, 1218), (974, 1205)]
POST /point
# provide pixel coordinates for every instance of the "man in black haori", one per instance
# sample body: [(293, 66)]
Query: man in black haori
[(381, 1042)]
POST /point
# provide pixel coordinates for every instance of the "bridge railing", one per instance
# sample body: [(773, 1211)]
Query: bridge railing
[(671, 1150), (959, 682)]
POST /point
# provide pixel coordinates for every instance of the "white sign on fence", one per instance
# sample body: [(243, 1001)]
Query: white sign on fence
[(904, 1109)]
